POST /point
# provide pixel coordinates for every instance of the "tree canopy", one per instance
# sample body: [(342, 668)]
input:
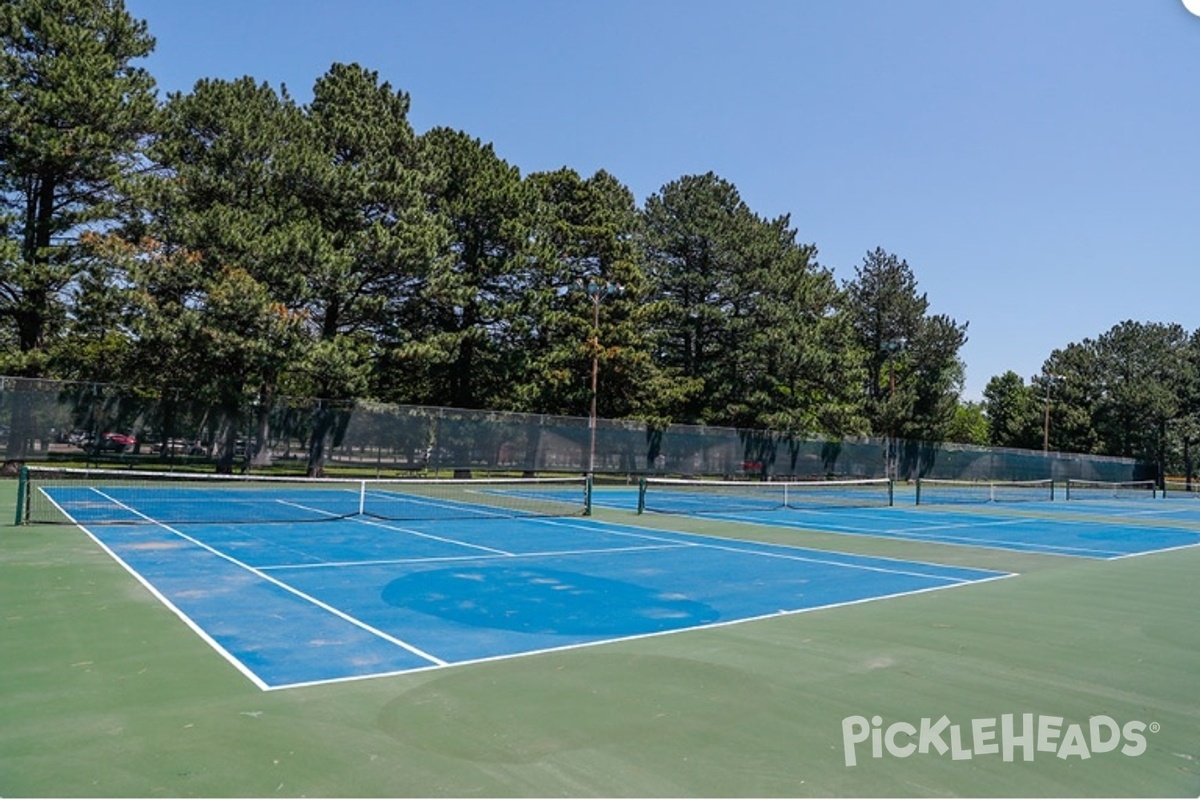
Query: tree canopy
[(230, 245)]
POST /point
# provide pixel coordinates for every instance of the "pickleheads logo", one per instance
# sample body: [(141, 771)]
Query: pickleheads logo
[(1028, 733)]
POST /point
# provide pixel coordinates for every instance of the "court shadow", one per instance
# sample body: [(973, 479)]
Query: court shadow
[(537, 600)]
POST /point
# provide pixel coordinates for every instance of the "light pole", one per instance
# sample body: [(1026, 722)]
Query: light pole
[(1050, 380), (892, 347), (596, 290)]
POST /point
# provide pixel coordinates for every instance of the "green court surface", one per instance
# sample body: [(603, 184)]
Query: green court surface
[(105, 692)]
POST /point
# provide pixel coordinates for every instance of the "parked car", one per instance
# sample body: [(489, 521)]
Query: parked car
[(114, 443), (181, 447), (79, 438)]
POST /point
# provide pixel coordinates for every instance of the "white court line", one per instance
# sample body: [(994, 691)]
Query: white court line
[(443, 539), (445, 559), (639, 636), (1055, 520), (667, 539), (671, 542), (930, 532), (401, 529), (1036, 548), (594, 527), (290, 589), (947, 526), (477, 511), (751, 548), (904, 533), (1153, 552), (199, 631), (1125, 514), (724, 541)]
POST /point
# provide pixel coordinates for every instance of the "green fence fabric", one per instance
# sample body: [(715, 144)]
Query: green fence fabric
[(43, 420)]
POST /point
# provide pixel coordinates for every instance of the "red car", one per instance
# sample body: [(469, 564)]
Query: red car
[(115, 443)]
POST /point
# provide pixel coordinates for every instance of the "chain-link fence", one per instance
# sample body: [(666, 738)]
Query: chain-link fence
[(55, 421)]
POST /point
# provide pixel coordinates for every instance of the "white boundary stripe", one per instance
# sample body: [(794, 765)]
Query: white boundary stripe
[(893, 534), (400, 529), (1153, 552), (439, 664), (1114, 520), (601, 526), (477, 511), (946, 526), (1082, 513), (451, 559), (1117, 516), (290, 589), (1012, 545), (213, 643), (326, 514), (639, 636), (751, 548), (661, 535), (667, 541), (422, 535)]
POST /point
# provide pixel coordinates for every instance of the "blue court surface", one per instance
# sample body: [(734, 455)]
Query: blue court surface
[(293, 604), (1089, 529)]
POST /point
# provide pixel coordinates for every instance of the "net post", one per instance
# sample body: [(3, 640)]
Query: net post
[(22, 483), (362, 498), (587, 495), (891, 492), (641, 495), (918, 490)]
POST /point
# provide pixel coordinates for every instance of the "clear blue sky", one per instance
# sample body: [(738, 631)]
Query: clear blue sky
[(1036, 162)]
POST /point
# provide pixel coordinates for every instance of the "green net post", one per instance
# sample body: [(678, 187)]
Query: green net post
[(918, 491), (641, 495), (22, 481), (587, 496)]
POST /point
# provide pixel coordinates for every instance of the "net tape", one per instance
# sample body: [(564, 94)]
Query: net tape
[(684, 496), (933, 491), (130, 497), (1117, 490)]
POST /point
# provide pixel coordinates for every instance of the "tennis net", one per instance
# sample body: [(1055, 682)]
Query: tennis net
[(936, 491), (50, 495), (1181, 489), (696, 496), (1110, 490)]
